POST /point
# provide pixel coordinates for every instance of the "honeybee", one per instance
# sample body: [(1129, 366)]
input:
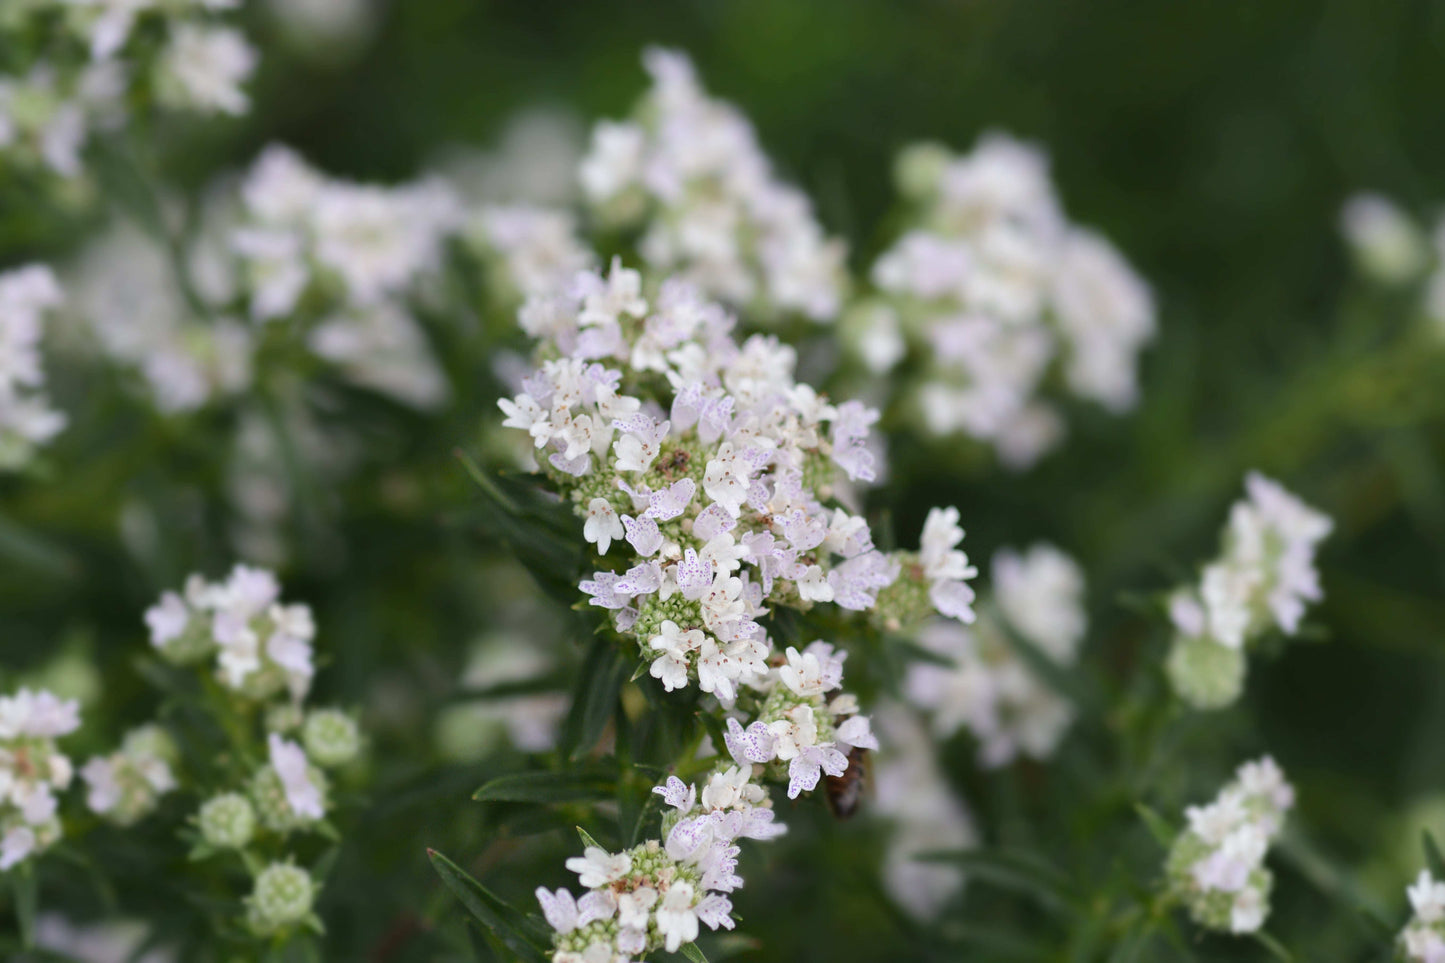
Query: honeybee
[(845, 792)]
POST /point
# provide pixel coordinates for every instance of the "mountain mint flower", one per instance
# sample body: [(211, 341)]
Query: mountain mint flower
[(925, 814), (710, 491), (261, 646), (227, 821), (32, 771), (1423, 938), (282, 897), (92, 71), (995, 288), (1384, 239), (331, 737), (689, 173), (989, 687), (658, 895), (126, 785), (204, 68), (1263, 580), (27, 420), (1216, 865)]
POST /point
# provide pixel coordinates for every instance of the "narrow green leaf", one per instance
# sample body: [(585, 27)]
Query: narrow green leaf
[(1159, 828), (509, 925), (594, 698), (587, 839), (691, 951), (1012, 870), (26, 905), (1432, 855), (544, 787), (1274, 946)]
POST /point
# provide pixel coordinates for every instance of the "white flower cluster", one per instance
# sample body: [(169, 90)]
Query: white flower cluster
[(1384, 239), (987, 685), (925, 813), (125, 786), (533, 249), (344, 257), (32, 771), (87, 66), (127, 303), (688, 172), (1423, 938), (1264, 578), (47, 115), (26, 417), (997, 289), (1392, 248), (263, 659), (261, 646), (1216, 866), (335, 259), (718, 490), (656, 895)]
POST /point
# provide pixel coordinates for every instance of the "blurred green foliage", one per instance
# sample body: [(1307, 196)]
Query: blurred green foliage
[(1213, 142)]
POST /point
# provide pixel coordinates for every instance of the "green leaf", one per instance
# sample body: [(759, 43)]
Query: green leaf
[(587, 839), (594, 698), (691, 951), (540, 530), (1159, 827), (1015, 870), (1274, 946), (544, 787), (26, 905), (507, 923), (1432, 855)]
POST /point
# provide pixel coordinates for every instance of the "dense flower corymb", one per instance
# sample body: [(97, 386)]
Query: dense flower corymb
[(32, 771), (1216, 866), (715, 474), (261, 646), (989, 687), (1423, 938), (996, 289), (26, 418), (690, 174), (1264, 579)]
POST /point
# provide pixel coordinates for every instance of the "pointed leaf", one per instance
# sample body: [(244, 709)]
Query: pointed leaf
[(26, 900), (509, 925), (1159, 827), (1274, 946), (587, 839), (544, 787), (1432, 855)]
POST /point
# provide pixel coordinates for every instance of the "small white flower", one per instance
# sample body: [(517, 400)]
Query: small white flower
[(559, 908), (203, 69), (677, 917), (673, 645), (633, 907), (1427, 898), (289, 761), (596, 867), (602, 525)]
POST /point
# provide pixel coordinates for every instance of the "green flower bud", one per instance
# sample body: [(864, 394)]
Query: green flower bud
[(331, 737), (1204, 673), (919, 168), (227, 821), (283, 717), (283, 895)]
